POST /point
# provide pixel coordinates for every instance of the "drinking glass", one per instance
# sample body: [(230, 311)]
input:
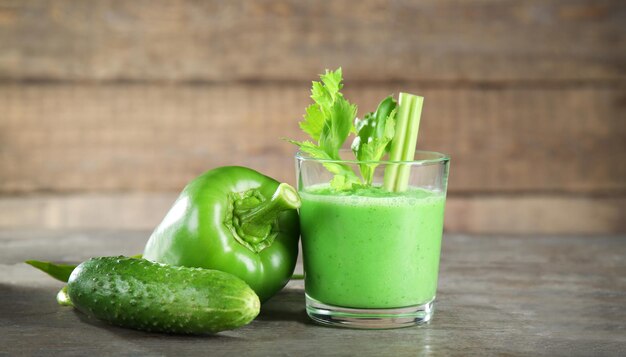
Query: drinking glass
[(371, 252)]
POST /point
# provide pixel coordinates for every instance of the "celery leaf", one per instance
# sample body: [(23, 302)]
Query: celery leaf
[(313, 121), (374, 133), (328, 121), (337, 128)]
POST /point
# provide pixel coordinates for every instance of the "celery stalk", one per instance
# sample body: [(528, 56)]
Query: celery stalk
[(404, 142), (397, 143)]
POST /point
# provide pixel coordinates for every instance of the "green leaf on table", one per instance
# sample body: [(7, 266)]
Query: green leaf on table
[(60, 272)]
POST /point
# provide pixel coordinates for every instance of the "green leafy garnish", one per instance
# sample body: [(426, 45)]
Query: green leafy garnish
[(374, 133), (392, 129), (328, 121)]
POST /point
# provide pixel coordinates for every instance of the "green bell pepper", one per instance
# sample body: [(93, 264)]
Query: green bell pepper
[(236, 220)]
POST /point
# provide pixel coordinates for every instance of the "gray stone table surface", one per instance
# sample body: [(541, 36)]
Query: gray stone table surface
[(498, 295)]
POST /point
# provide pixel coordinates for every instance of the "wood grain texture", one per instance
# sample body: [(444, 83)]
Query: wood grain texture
[(535, 214), (485, 40), (65, 138), (493, 214), (504, 295)]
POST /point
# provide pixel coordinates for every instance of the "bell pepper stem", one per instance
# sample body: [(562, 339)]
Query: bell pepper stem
[(254, 220), (284, 198)]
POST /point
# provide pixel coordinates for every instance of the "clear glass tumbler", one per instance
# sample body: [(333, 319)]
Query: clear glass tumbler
[(371, 252)]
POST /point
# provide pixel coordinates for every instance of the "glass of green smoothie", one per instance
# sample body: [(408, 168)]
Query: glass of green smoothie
[(371, 217), (371, 253)]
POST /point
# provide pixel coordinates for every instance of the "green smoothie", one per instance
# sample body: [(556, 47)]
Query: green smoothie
[(370, 248)]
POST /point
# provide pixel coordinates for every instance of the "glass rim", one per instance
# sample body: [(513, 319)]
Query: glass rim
[(440, 158)]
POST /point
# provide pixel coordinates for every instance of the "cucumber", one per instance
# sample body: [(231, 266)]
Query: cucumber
[(143, 295)]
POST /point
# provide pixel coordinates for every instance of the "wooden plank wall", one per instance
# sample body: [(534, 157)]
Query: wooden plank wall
[(107, 108)]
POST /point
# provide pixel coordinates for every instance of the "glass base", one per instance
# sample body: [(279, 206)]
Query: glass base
[(338, 316)]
